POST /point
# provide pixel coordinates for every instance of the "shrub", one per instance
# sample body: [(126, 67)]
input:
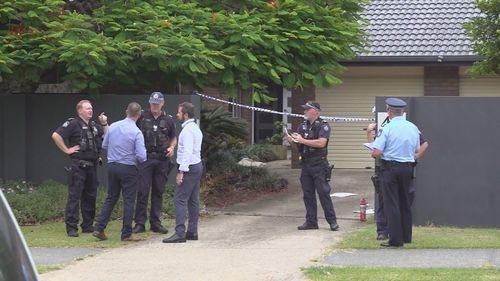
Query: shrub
[(260, 152), (46, 202), (221, 131)]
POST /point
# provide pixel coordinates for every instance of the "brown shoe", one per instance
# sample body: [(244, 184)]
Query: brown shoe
[(132, 238), (99, 235)]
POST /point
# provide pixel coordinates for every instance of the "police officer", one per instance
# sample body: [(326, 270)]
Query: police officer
[(396, 145), (160, 139), (312, 138), (382, 229), (84, 139)]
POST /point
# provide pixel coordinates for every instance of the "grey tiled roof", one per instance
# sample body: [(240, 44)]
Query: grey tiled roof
[(417, 28)]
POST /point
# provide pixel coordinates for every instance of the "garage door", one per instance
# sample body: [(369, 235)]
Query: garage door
[(355, 97)]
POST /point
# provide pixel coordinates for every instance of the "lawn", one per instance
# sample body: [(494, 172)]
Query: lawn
[(54, 235), (424, 237), (397, 274), (428, 237)]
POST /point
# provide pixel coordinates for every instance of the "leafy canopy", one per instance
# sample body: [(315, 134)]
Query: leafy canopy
[(229, 44), (485, 33)]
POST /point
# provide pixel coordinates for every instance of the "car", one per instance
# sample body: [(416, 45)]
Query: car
[(16, 263)]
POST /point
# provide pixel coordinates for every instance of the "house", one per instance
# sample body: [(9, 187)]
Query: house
[(418, 48)]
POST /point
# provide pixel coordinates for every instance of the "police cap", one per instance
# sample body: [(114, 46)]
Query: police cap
[(311, 104), (156, 98), (395, 103)]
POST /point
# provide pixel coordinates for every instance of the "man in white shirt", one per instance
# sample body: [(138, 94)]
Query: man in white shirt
[(188, 177)]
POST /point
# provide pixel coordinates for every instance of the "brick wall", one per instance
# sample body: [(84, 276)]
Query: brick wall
[(441, 81)]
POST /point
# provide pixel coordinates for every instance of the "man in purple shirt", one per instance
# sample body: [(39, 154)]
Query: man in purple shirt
[(125, 145)]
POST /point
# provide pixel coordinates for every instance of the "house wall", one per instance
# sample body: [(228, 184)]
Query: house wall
[(483, 86), (355, 97), (441, 81)]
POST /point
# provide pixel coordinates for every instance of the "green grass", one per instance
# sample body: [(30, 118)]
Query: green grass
[(395, 274), (53, 235), (46, 268), (428, 237)]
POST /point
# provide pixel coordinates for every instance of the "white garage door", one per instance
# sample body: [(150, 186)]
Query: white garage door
[(355, 97)]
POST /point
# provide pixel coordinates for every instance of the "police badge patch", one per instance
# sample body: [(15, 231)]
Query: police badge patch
[(325, 128), (65, 124), (379, 133)]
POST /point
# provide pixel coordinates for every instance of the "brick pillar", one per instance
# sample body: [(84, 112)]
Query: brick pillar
[(441, 81), (299, 97)]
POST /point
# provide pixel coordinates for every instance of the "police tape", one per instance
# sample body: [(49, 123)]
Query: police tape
[(285, 113)]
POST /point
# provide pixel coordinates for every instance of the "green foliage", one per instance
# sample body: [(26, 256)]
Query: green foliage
[(221, 131), (47, 202), (278, 137), (485, 33), (260, 152), (227, 44)]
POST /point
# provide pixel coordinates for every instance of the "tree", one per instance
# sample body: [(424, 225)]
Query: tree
[(485, 33), (229, 44)]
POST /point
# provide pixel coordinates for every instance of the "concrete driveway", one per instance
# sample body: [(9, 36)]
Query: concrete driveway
[(255, 240)]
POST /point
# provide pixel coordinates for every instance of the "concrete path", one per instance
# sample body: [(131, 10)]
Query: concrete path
[(249, 241), (53, 256), (418, 258)]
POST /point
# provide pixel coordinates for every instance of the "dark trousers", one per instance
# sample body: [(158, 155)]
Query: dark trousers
[(121, 178), (187, 197), (380, 214), (153, 177), (82, 192), (313, 180), (395, 183)]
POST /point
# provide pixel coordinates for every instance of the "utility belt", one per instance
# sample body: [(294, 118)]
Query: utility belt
[(313, 161), (157, 155), (83, 163)]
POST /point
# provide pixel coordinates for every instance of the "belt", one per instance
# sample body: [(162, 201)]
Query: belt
[(390, 163), (313, 160), (84, 163)]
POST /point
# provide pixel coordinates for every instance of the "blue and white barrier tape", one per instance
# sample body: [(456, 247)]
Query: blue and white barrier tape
[(329, 118)]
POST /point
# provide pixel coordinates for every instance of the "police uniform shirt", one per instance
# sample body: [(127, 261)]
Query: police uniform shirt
[(398, 140), (71, 131), (152, 128), (308, 131)]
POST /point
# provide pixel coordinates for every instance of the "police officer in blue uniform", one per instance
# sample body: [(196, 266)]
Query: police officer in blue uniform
[(382, 229), (312, 138), (81, 138), (396, 145), (160, 139)]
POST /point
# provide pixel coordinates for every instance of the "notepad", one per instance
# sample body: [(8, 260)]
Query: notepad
[(368, 145), (288, 134)]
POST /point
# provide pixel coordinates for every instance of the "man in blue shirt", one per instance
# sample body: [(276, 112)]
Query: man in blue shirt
[(396, 145), (125, 145), (187, 191)]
